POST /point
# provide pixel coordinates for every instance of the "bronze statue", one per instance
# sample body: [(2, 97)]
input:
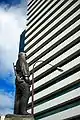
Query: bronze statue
[(22, 85)]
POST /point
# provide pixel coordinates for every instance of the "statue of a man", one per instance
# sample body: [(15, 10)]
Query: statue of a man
[(22, 85)]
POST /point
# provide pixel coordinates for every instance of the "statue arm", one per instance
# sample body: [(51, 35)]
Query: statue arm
[(24, 68), (25, 71), (28, 69), (17, 76)]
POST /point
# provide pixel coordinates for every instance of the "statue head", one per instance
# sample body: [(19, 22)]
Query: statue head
[(22, 55)]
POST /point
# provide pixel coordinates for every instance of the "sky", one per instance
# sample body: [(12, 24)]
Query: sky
[(12, 23)]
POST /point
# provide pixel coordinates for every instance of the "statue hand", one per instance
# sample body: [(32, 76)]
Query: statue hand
[(19, 79), (27, 80)]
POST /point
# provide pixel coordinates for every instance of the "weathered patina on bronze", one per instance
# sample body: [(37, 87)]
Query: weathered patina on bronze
[(22, 85)]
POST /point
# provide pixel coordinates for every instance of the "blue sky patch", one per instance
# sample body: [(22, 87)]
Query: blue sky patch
[(10, 2)]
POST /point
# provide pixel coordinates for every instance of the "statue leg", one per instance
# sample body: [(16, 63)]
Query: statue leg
[(25, 98), (17, 101)]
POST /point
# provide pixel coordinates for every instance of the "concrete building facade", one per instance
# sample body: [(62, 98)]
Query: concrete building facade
[(52, 41)]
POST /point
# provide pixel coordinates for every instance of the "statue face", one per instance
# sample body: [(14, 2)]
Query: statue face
[(22, 56)]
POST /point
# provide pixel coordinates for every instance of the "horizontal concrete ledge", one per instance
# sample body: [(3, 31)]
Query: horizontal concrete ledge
[(18, 117)]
